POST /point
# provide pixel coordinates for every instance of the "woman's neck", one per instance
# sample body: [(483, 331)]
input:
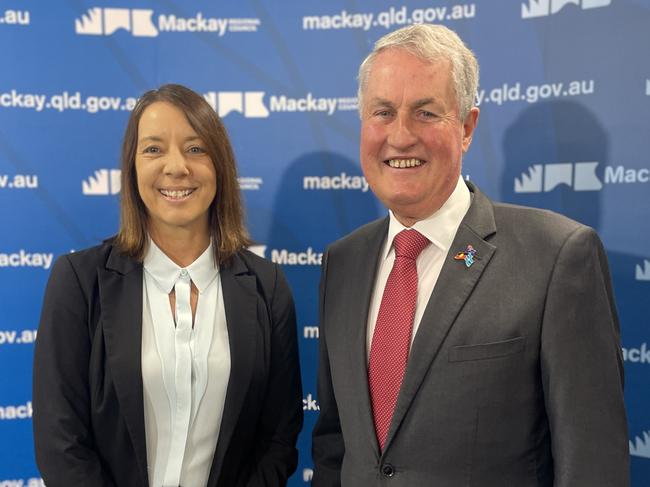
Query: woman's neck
[(183, 246)]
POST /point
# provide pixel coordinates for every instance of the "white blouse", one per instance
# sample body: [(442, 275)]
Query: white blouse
[(185, 369)]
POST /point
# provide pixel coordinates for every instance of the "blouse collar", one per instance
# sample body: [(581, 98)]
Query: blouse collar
[(166, 272)]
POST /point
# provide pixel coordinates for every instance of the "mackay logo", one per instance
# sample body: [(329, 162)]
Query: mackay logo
[(640, 447), (251, 103), (544, 8), (258, 250), (643, 271), (248, 103), (547, 177), (581, 176), (105, 21), (140, 23), (103, 182)]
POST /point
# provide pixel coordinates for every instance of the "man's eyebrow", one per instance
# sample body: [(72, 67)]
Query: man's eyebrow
[(423, 101), (416, 104), (381, 102)]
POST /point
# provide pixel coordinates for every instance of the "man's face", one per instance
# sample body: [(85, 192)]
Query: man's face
[(412, 139)]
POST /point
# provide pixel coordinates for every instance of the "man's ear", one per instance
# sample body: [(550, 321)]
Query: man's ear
[(468, 127)]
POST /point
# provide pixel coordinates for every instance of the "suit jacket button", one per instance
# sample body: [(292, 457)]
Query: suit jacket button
[(388, 470)]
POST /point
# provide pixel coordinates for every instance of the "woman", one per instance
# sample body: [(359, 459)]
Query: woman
[(167, 356)]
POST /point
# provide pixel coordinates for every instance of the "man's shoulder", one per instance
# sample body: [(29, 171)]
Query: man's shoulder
[(536, 223), (528, 216)]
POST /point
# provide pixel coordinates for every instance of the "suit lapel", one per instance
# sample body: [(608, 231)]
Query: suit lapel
[(240, 300), (120, 295), (364, 269), (454, 286)]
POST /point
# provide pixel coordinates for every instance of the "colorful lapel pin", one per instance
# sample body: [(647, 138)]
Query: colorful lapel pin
[(468, 255)]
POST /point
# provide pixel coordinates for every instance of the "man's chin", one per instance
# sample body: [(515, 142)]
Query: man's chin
[(414, 209), (410, 212)]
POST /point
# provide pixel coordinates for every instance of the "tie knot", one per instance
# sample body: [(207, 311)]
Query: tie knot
[(409, 244)]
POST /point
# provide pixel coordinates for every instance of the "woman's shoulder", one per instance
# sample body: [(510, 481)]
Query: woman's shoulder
[(271, 281), (254, 263), (268, 273), (89, 255), (88, 260)]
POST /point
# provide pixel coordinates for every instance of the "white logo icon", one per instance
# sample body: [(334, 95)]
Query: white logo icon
[(258, 250), (641, 446), (543, 8), (581, 176), (643, 273), (106, 21), (248, 103), (104, 182)]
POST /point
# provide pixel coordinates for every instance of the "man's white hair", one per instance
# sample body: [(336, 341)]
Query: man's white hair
[(431, 43)]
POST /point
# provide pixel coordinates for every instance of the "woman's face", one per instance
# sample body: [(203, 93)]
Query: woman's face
[(176, 177)]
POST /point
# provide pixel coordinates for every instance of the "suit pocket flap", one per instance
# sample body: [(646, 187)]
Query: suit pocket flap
[(487, 350)]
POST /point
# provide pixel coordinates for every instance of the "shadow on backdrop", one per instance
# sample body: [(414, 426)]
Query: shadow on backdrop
[(322, 197), (550, 149), (555, 158)]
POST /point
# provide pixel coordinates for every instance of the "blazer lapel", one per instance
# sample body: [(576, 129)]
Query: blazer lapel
[(453, 288), (240, 300), (120, 295), (364, 269)]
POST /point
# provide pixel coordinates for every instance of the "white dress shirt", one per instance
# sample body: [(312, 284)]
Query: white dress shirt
[(440, 228), (182, 421)]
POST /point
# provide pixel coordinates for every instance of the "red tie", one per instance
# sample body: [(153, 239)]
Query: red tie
[(391, 340)]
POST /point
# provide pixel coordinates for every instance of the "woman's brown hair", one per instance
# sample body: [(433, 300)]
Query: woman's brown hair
[(226, 212)]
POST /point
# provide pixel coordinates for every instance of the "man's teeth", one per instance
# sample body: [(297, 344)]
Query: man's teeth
[(399, 163), (177, 193)]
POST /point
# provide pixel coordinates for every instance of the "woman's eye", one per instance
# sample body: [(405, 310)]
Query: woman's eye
[(196, 150), (151, 150)]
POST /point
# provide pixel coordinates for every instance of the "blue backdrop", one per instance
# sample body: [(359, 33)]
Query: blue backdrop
[(565, 104)]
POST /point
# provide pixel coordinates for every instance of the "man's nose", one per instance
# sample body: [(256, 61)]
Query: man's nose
[(176, 164), (401, 135)]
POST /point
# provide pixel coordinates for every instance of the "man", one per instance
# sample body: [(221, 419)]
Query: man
[(463, 342)]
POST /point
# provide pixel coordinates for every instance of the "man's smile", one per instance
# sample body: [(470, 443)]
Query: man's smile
[(404, 163)]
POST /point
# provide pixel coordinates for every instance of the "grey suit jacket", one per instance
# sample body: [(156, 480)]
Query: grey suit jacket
[(88, 402), (515, 376)]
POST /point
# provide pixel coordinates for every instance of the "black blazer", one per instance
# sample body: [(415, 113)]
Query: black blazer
[(88, 399)]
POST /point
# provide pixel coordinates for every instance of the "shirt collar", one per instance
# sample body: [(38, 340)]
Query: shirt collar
[(166, 272), (440, 228)]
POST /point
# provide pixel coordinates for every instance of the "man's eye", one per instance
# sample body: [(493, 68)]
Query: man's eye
[(427, 115), (383, 113)]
